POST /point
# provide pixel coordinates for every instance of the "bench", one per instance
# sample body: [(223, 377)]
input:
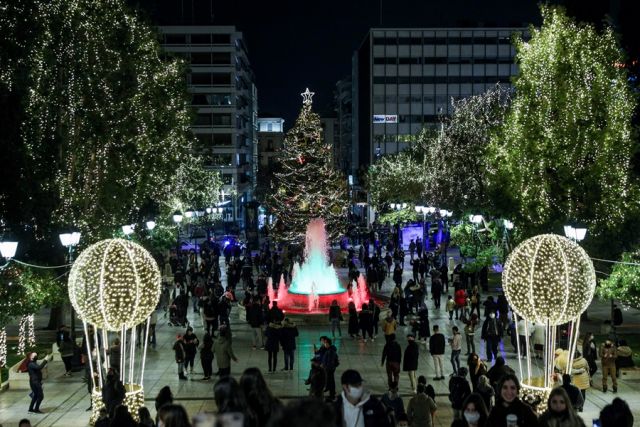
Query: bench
[(20, 380)]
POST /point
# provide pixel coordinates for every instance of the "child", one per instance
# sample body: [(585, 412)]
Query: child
[(451, 305)]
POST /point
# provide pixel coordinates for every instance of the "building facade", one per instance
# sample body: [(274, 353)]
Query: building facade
[(270, 142), (404, 81), (342, 148), (225, 100)]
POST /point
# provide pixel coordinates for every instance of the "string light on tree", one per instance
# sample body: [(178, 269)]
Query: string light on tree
[(307, 186)]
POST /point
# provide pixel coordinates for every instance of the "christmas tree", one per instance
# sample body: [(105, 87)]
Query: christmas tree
[(307, 186)]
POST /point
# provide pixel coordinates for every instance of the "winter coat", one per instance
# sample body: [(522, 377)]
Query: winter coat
[(254, 315), (334, 312), (353, 322), (391, 352), (365, 319), (580, 373), (491, 328), (273, 334), (411, 355), (389, 326), (224, 352), (288, 335)]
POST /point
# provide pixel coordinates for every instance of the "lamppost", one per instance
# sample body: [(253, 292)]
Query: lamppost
[(177, 219), (475, 220), (70, 241)]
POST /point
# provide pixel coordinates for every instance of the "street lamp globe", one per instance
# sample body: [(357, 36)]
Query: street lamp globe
[(128, 229), (419, 209), (580, 234), (508, 224), (66, 239), (189, 212), (177, 217), (75, 238), (8, 249), (151, 224), (392, 205)]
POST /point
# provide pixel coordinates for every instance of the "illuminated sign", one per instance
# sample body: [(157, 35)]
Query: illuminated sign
[(382, 118)]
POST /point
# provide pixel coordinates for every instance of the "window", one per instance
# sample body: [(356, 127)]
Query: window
[(175, 39), (221, 58), (204, 140), (200, 38), (227, 179), (222, 139), (221, 120), (201, 79), (221, 160), (221, 79), (221, 38), (203, 120), (269, 144), (200, 58)]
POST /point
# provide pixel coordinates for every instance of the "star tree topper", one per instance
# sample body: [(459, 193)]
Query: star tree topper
[(306, 97)]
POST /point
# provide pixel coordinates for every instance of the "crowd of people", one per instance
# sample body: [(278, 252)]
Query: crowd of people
[(479, 395)]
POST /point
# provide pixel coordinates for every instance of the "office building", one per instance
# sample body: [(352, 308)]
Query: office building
[(404, 80), (224, 97)]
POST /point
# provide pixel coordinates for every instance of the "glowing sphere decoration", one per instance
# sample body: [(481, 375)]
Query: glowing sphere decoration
[(114, 284), (549, 278)]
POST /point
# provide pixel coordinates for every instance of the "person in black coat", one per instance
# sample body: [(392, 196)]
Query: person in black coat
[(424, 331), (206, 356), (410, 361), (459, 390), (113, 392), (272, 344), (35, 381), (353, 320), (392, 353), (288, 335), (365, 320)]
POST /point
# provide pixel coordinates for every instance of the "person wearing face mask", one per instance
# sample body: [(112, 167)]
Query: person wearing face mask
[(35, 381), (508, 403), (355, 407), (474, 411), (560, 412), (491, 334)]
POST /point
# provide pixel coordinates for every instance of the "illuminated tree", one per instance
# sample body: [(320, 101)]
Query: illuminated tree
[(103, 118), (460, 175), (449, 168), (308, 186), (623, 283), (567, 145)]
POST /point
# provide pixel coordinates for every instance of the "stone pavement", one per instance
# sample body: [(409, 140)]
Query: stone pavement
[(66, 399)]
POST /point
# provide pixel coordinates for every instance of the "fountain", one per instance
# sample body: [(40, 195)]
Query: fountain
[(315, 283)]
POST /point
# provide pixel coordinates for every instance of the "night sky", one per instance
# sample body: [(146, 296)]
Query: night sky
[(295, 44)]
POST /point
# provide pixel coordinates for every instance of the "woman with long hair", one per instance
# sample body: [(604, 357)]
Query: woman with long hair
[(508, 403), (230, 398), (258, 395), (560, 412), (173, 416), (474, 411)]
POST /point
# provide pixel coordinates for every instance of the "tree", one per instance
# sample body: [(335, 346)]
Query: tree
[(308, 185), (459, 177), (566, 148), (400, 177), (623, 283), (104, 118), (449, 168)]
